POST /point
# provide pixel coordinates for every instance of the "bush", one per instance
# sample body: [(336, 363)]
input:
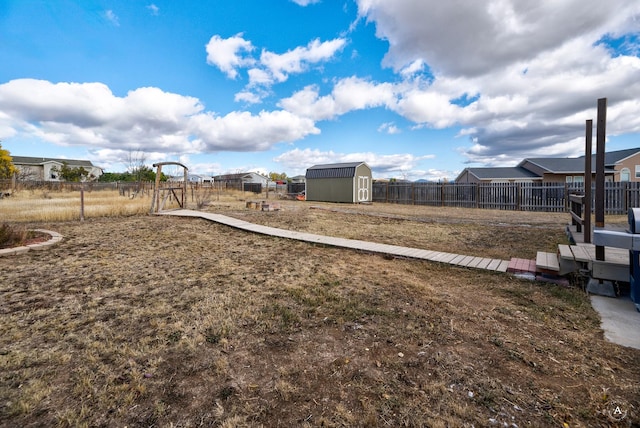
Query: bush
[(12, 237)]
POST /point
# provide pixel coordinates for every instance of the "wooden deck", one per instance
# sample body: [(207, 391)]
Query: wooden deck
[(581, 256), (370, 247)]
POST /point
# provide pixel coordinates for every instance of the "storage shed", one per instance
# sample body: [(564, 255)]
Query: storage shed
[(339, 182)]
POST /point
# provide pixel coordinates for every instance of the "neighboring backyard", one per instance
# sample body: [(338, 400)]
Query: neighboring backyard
[(157, 321)]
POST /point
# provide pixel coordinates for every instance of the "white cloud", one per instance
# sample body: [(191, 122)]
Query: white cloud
[(227, 54), (298, 59), (231, 54), (149, 119), (389, 128), (248, 97), (462, 38), (243, 131), (347, 95), (395, 165), (153, 9), (112, 17), (519, 77), (305, 2)]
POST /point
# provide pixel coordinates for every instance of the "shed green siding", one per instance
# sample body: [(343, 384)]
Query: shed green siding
[(348, 183), (330, 189)]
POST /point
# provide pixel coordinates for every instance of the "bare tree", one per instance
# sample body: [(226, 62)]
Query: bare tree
[(135, 162)]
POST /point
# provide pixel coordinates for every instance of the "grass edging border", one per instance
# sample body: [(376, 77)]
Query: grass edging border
[(55, 237)]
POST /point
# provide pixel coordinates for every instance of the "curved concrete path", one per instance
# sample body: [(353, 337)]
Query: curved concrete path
[(55, 238), (371, 247)]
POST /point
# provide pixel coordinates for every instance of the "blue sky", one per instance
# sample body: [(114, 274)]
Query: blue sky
[(419, 89)]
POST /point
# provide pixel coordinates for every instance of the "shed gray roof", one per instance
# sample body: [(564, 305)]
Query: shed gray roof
[(333, 170), (502, 173)]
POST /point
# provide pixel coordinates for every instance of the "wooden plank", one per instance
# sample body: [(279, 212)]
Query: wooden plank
[(466, 261), (610, 271), (565, 251), (547, 261), (493, 265), (484, 263), (456, 260), (437, 256), (503, 266), (447, 257), (581, 253), (475, 262)]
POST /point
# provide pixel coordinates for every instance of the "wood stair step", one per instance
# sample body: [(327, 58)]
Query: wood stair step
[(547, 262)]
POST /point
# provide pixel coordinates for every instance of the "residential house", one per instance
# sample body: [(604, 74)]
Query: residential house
[(193, 178), (243, 180), (620, 165), (47, 169)]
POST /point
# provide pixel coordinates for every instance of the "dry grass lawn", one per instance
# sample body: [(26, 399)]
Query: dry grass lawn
[(147, 321)]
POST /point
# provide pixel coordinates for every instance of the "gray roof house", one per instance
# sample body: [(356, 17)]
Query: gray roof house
[(45, 169), (242, 177), (620, 165)]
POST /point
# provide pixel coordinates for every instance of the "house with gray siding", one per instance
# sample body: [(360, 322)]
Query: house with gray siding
[(47, 169)]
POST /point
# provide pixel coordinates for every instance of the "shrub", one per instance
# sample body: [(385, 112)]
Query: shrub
[(11, 237)]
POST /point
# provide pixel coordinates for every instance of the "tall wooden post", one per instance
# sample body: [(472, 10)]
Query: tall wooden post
[(82, 202), (183, 205), (600, 139), (156, 190), (587, 181)]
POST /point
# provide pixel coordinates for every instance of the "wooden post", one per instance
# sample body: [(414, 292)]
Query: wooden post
[(82, 202), (587, 181), (156, 191), (183, 205), (600, 151)]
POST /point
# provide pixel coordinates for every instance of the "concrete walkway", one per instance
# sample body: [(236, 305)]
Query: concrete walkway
[(370, 247), (620, 320)]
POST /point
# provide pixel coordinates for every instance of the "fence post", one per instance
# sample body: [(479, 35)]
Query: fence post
[(625, 202), (600, 182), (413, 194)]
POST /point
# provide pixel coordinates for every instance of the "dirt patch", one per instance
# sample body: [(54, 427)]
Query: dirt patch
[(158, 321)]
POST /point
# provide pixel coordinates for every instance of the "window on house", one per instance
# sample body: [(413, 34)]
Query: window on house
[(569, 179), (625, 174), (578, 179), (637, 171)]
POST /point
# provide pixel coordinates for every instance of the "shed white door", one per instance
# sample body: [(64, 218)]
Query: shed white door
[(363, 188)]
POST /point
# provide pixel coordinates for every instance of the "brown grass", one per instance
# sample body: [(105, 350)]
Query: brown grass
[(156, 321)]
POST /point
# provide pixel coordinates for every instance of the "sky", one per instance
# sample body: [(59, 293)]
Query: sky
[(417, 89)]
